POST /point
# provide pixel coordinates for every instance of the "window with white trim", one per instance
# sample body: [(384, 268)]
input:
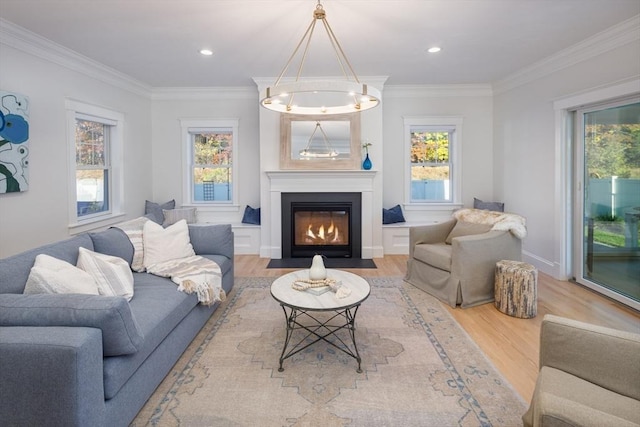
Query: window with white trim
[(210, 151), (95, 151), (432, 172)]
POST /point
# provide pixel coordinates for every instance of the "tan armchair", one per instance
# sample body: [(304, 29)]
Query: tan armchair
[(589, 376), (455, 260)]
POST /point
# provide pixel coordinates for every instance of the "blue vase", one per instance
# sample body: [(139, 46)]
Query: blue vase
[(366, 165)]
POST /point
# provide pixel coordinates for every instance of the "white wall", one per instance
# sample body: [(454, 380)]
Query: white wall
[(473, 104), (169, 106), (525, 148), (40, 215)]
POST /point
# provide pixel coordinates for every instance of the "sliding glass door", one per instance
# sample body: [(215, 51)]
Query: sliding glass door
[(608, 200)]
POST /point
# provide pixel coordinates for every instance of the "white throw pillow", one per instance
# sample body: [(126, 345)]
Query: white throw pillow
[(164, 244), (133, 229), (112, 274), (174, 215), (51, 275)]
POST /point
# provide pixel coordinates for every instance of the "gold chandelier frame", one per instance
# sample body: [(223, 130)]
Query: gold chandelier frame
[(350, 95)]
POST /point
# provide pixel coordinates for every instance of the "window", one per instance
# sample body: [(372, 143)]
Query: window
[(432, 172), (95, 141), (92, 167), (210, 147)]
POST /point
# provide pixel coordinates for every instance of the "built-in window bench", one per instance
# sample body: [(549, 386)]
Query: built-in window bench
[(395, 237)]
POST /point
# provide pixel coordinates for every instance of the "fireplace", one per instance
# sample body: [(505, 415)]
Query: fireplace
[(321, 223)]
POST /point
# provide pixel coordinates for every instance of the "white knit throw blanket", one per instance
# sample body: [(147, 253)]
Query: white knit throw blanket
[(193, 274), (499, 220)]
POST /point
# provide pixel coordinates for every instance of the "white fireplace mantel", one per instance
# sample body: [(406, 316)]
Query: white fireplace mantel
[(320, 181)]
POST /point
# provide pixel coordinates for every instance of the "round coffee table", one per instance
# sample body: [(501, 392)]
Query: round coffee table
[(300, 306)]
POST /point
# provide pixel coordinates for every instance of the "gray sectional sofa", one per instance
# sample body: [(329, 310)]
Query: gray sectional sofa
[(87, 360)]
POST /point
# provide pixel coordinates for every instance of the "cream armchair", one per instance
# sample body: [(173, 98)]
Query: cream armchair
[(455, 260), (589, 376)]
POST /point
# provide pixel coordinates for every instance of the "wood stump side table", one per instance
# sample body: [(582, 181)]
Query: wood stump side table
[(516, 289)]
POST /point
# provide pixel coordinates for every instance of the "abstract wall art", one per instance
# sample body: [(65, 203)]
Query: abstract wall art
[(14, 142)]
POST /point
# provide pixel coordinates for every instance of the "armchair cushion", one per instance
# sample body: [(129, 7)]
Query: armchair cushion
[(437, 255), (588, 376), (566, 400), (463, 228)]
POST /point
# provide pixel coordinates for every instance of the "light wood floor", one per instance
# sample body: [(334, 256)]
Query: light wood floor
[(512, 344)]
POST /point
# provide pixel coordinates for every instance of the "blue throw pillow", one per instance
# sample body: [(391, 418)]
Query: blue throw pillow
[(489, 206), (393, 215), (251, 216), (153, 211)]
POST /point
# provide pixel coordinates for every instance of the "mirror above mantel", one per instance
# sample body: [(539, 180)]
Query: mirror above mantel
[(320, 142)]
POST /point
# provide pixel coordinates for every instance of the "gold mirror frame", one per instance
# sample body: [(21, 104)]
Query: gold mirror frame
[(353, 162)]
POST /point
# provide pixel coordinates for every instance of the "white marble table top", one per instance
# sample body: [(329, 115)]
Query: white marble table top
[(282, 291)]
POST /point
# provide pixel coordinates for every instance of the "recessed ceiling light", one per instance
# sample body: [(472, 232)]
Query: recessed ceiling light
[(206, 52), (434, 49)]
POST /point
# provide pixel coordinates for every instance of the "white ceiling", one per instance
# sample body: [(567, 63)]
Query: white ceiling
[(157, 41)]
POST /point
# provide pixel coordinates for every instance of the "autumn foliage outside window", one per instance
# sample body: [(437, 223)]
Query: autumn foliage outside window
[(212, 165), (92, 167), (430, 166)]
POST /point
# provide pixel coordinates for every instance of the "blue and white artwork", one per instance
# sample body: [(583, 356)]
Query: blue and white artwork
[(14, 142)]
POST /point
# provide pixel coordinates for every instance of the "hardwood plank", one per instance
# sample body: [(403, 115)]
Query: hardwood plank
[(512, 344)]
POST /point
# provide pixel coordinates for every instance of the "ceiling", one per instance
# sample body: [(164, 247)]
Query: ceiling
[(157, 42)]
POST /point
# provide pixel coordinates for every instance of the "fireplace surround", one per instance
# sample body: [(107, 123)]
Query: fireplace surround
[(328, 224), (319, 181)]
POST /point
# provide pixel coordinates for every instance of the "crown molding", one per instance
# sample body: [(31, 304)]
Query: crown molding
[(203, 93), (26, 41), (619, 35), (437, 91)]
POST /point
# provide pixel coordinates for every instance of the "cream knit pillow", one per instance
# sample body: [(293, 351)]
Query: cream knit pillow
[(112, 274), (51, 275), (164, 244)]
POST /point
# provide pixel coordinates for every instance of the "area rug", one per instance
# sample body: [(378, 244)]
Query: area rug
[(419, 369)]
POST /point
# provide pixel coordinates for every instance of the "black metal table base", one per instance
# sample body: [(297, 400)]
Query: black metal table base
[(321, 330)]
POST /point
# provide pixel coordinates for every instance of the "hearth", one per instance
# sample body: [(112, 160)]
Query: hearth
[(321, 223)]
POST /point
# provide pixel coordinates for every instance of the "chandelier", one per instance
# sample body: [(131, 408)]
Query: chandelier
[(326, 152), (312, 97)]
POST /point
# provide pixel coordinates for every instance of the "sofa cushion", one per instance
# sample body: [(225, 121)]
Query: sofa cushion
[(15, 269), (111, 274), (463, 228), (114, 242), (437, 255), (51, 275), (563, 399), (120, 332), (209, 239), (158, 308)]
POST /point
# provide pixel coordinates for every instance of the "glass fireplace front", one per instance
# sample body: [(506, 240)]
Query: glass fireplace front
[(321, 223)]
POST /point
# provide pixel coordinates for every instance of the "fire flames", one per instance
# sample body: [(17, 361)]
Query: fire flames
[(331, 235)]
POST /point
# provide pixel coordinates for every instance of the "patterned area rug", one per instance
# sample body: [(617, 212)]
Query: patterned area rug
[(419, 369)]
